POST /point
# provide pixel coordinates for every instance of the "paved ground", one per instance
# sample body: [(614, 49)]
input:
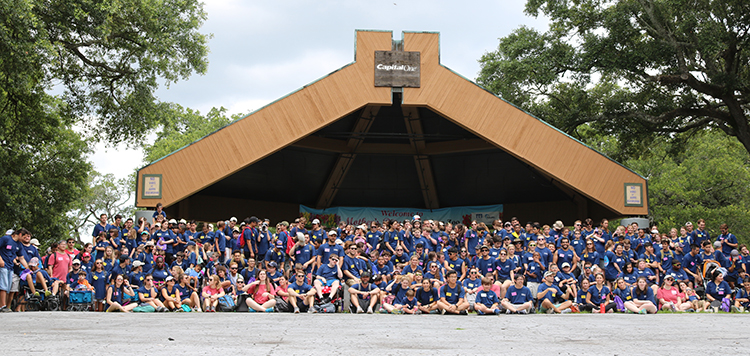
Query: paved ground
[(66, 333)]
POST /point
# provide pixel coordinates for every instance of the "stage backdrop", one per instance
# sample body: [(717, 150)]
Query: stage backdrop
[(355, 216)]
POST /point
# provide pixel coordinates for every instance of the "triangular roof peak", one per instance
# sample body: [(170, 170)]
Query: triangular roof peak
[(570, 164)]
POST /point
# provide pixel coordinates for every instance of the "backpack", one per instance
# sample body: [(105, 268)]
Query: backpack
[(619, 303), (226, 304), (325, 308)]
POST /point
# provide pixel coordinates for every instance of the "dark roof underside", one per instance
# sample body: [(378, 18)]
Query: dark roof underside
[(298, 175)]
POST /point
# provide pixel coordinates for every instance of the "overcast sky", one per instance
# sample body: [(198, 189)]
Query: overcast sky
[(263, 50)]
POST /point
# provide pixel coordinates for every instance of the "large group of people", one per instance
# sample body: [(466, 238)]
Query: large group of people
[(409, 267)]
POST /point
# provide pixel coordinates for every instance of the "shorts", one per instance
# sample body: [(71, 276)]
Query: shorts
[(6, 278), (471, 298), (329, 282), (15, 284)]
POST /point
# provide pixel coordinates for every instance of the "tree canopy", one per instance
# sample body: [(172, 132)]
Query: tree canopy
[(633, 69), (708, 178), (89, 65), (182, 127)]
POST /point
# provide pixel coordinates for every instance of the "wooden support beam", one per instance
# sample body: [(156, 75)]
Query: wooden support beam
[(430, 149), (421, 161), (345, 160)]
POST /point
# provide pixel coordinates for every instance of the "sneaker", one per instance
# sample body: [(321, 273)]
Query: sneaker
[(36, 294), (251, 310), (310, 310), (417, 312), (691, 310), (269, 310), (507, 311), (575, 309), (497, 311), (642, 311), (199, 310), (4, 309), (369, 310), (296, 310), (463, 312), (442, 312), (550, 311), (360, 311), (47, 293), (566, 311), (382, 311), (523, 311)]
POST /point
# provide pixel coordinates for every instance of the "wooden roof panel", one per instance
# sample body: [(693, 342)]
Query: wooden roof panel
[(344, 91)]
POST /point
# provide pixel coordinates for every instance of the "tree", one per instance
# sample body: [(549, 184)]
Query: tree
[(104, 194), (182, 127), (38, 182), (633, 69), (707, 179), (104, 61)]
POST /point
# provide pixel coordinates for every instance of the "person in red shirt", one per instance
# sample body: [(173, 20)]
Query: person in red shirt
[(262, 294), (60, 263)]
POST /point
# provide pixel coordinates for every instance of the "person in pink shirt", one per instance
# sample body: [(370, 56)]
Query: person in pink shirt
[(669, 296), (60, 263), (262, 294), (211, 294)]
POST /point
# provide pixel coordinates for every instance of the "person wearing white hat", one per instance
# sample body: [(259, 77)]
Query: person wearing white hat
[(328, 248), (316, 234)]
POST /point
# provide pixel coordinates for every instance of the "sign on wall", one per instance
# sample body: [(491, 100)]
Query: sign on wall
[(151, 186), (397, 69), (634, 194)]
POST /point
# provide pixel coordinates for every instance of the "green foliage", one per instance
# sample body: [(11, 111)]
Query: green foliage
[(38, 183), (630, 69), (105, 60), (103, 194), (708, 180), (182, 127)]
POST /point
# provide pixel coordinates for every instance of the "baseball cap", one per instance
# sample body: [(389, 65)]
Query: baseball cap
[(138, 264), (86, 254), (149, 243), (417, 218), (549, 273), (183, 221), (234, 219), (173, 221), (9, 232), (316, 221), (76, 262), (279, 243), (34, 262), (34, 242), (565, 264), (332, 233), (272, 264), (688, 223), (170, 278)]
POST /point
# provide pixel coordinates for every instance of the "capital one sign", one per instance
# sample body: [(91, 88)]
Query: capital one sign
[(397, 69)]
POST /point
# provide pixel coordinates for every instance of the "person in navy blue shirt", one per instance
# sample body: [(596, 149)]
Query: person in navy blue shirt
[(364, 293), (452, 295), (329, 275), (644, 297), (518, 298), (727, 239), (301, 294), (427, 297), (717, 289), (742, 299), (552, 299), (329, 248), (487, 301)]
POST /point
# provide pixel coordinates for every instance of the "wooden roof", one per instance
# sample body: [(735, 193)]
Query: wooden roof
[(292, 118)]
